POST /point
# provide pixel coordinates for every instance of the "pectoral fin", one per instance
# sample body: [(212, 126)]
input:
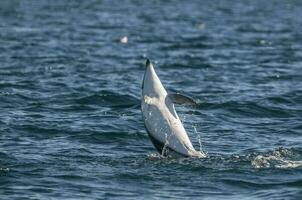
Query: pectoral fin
[(182, 99)]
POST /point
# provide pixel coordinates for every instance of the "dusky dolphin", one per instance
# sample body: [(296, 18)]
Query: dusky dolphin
[(161, 120)]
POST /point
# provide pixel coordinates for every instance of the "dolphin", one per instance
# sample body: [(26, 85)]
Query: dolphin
[(161, 120)]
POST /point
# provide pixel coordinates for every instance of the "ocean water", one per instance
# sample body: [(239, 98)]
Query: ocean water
[(71, 125)]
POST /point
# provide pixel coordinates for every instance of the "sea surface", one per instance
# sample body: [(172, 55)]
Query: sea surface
[(70, 88)]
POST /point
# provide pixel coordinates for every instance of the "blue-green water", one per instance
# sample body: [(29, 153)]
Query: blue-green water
[(71, 125)]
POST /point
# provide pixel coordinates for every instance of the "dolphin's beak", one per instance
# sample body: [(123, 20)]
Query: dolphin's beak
[(151, 83), (147, 70), (150, 69), (148, 63)]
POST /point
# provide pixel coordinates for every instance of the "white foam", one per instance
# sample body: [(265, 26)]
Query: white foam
[(279, 158)]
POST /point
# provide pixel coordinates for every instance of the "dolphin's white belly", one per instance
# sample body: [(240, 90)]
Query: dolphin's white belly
[(166, 128)]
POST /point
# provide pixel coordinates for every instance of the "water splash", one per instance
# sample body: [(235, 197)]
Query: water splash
[(199, 140), (279, 158), (165, 149), (154, 156)]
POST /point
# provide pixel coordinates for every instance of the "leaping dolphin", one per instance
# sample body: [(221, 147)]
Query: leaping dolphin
[(161, 120)]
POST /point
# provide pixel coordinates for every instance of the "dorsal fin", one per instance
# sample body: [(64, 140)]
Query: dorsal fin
[(181, 99)]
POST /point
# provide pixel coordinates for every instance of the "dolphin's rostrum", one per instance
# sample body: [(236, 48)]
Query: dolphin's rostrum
[(161, 120)]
